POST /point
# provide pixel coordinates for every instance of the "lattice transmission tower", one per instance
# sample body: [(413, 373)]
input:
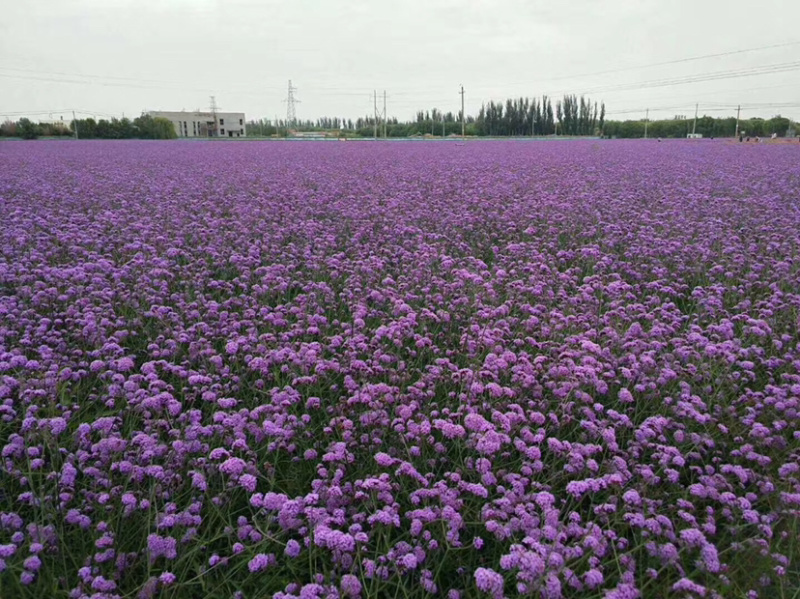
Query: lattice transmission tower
[(291, 102)]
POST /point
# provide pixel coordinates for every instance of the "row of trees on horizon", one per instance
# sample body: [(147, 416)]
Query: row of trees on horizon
[(142, 127), (680, 126), (571, 115)]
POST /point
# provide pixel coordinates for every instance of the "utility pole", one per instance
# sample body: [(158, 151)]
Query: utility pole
[(463, 116), (646, 119), (375, 124), (694, 125), (738, 108), (384, 114), (75, 124)]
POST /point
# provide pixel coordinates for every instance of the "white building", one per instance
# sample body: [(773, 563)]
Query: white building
[(204, 124)]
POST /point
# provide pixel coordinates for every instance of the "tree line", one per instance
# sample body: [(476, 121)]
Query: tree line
[(571, 115), (680, 126), (430, 122), (142, 127)]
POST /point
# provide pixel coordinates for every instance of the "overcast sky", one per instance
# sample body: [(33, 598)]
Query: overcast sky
[(112, 57)]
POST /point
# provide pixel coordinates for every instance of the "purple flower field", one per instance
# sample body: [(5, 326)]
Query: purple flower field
[(499, 369)]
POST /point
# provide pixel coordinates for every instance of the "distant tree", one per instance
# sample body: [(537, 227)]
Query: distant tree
[(88, 128), (560, 115), (536, 118), (708, 126), (549, 122), (124, 127), (602, 120), (163, 129), (779, 125), (27, 129), (103, 130), (148, 127), (8, 129)]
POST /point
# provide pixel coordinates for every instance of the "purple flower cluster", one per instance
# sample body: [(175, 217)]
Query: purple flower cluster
[(350, 370)]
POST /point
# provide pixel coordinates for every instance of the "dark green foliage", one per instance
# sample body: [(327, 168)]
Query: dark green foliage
[(27, 129), (143, 127), (154, 128), (706, 125), (518, 117), (578, 116)]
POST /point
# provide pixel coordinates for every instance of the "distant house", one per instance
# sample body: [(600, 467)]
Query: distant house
[(694, 136), (204, 124)]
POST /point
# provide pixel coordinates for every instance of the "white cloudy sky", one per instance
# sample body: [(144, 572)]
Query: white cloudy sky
[(123, 56)]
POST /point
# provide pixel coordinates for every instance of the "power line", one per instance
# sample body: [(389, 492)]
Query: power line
[(697, 78), (653, 83), (86, 76), (27, 71), (700, 78), (668, 82), (739, 91), (730, 109), (665, 108), (171, 84), (649, 65), (59, 111), (133, 82), (252, 92), (677, 61), (103, 84)]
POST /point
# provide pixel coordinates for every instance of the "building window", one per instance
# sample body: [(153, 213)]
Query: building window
[(240, 122), (241, 131), (222, 121), (222, 131)]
